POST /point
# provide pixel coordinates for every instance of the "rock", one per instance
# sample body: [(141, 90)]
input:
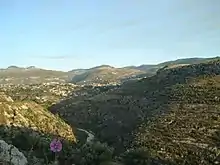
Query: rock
[(15, 157)]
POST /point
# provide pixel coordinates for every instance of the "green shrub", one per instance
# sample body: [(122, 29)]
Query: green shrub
[(95, 153)]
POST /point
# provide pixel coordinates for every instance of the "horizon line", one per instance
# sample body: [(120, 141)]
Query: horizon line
[(114, 66)]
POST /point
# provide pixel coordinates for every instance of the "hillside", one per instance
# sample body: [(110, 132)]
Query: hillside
[(174, 115), (26, 123), (104, 75), (169, 118), (30, 115), (30, 127), (30, 75), (44, 94), (97, 75), (154, 68), (188, 61)]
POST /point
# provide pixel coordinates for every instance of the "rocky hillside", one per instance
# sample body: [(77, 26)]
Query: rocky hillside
[(173, 116), (30, 127), (26, 123), (27, 114)]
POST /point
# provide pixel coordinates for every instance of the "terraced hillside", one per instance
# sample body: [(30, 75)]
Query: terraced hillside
[(174, 115)]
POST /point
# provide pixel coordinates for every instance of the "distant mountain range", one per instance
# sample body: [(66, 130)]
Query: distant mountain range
[(98, 74)]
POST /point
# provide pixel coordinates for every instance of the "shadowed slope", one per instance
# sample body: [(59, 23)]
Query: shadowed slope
[(115, 114)]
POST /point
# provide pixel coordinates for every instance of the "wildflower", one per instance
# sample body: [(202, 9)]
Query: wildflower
[(56, 145)]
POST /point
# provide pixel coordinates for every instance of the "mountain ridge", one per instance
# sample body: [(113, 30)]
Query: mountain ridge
[(177, 61), (100, 74)]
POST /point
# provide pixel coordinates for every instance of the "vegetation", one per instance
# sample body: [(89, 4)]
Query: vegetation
[(169, 118), (121, 117)]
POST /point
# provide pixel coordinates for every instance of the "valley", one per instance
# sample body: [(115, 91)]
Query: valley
[(147, 115)]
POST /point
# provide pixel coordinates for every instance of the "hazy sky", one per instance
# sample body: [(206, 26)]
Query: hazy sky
[(67, 34)]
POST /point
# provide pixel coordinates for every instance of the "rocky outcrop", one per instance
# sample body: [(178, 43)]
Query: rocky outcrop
[(11, 155)]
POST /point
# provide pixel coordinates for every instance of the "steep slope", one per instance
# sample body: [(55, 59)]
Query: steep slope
[(30, 115), (30, 128), (174, 114), (189, 132)]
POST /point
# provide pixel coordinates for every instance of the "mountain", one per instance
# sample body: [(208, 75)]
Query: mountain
[(141, 67), (13, 67), (31, 67), (99, 74), (188, 61), (154, 68), (102, 67), (105, 74), (30, 75), (172, 116)]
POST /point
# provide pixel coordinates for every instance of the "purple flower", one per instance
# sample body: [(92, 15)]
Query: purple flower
[(56, 145)]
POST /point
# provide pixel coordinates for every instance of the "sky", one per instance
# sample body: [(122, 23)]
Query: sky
[(70, 34)]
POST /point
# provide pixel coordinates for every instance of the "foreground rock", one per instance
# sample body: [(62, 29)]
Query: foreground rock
[(10, 154)]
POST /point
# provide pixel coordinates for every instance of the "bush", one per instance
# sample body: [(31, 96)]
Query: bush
[(94, 154), (141, 156), (136, 157)]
